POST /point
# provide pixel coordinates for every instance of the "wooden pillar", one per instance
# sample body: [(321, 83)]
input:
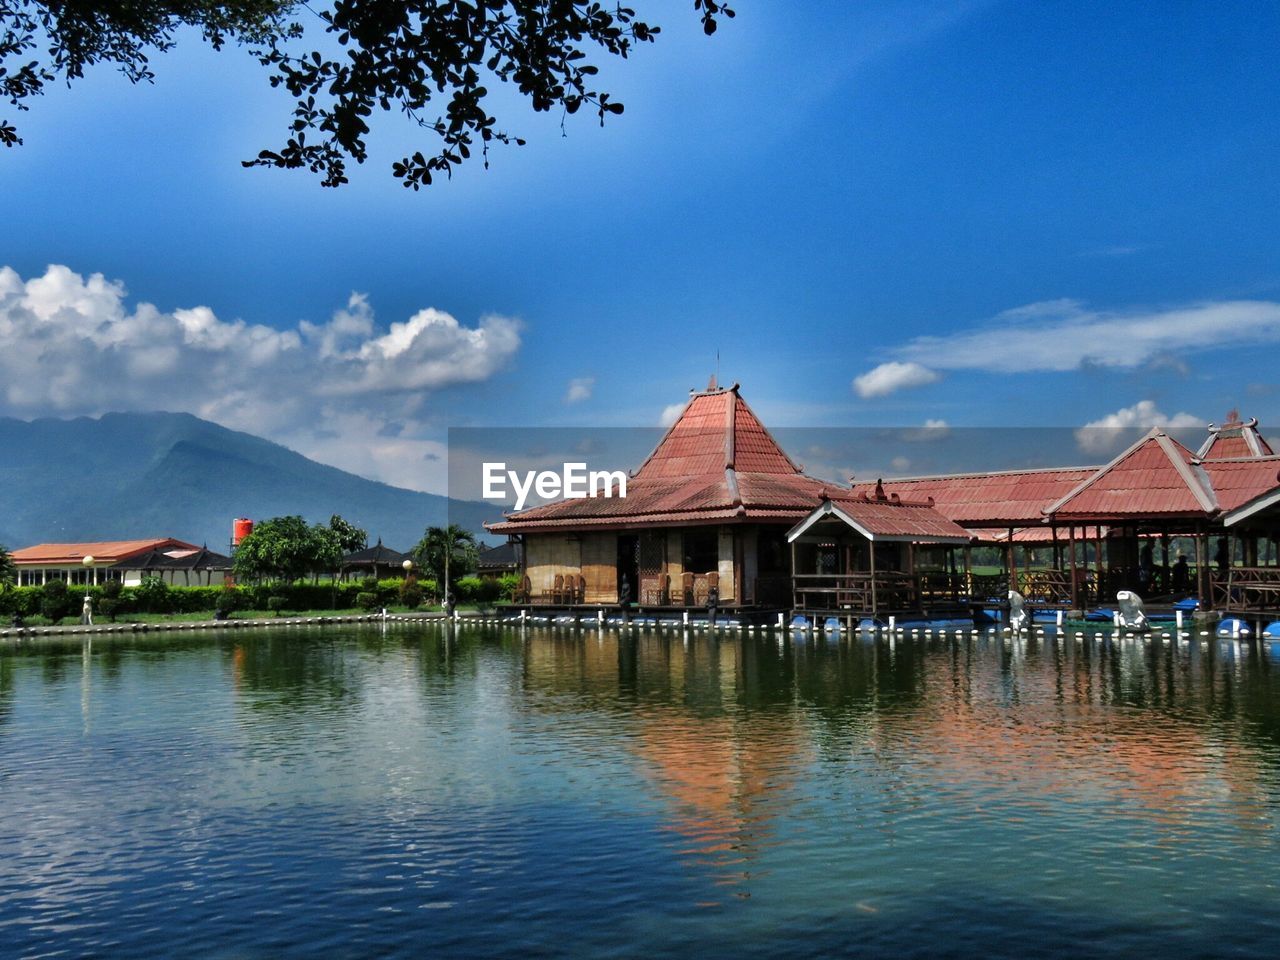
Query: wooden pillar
[(795, 598), (1099, 573), (1013, 563), (1075, 573), (1202, 570), (875, 599)]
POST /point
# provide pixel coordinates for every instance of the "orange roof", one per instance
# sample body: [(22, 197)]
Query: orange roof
[(885, 518), (1234, 439), (717, 463), (715, 432), (998, 499), (1157, 476), (1236, 482), (103, 552)]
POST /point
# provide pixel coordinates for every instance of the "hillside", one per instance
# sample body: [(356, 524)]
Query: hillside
[(131, 475)]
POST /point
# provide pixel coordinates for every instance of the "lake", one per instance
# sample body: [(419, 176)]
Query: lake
[(492, 791)]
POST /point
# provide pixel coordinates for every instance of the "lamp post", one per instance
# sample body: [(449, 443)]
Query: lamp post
[(408, 567), (86, 610)]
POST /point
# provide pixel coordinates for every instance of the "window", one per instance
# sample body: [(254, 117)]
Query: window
[(701, 550)]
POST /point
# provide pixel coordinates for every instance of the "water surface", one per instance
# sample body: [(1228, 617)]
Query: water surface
[(350, 792)]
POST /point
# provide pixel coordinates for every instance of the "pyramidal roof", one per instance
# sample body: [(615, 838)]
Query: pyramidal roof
[(1235, 439), (1157, 475), (714, 433), (716, 463)]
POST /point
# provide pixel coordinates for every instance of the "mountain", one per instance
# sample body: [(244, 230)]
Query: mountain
[(134, 475)]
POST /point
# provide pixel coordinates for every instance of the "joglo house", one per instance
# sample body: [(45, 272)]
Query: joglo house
[(719, 512)]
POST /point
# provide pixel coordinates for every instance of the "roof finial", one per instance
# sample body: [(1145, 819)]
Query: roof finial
[(711, 384)]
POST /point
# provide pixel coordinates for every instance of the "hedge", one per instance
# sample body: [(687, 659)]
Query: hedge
[(340, 595)]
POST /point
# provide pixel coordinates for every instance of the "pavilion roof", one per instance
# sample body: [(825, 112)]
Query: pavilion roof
[(181, 558), (376, 554), (1235, 439), (1002, 498), (884, 517), (1236, 482), (716, 463), (1157, 476)]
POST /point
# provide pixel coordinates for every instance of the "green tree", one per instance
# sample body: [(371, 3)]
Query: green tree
[(8, 572), (404, 56), (286, 548), (447, 553), (350, 537)]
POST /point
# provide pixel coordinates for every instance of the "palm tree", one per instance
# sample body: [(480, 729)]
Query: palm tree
[(8, 572), (442, 549)]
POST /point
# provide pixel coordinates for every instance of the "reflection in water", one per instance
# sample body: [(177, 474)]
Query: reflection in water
[(289, 792)]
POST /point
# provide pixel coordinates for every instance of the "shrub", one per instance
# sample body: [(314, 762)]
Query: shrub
[(152, 596), (367, 600), (112, 589), (277, 603), (508, 584), (410, 592), (228, 601), (477, 590), (54, 602), (108, 608)]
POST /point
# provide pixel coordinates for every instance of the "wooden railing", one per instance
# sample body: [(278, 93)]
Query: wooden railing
[(1246, 590), (855, 592), (1045, 586)]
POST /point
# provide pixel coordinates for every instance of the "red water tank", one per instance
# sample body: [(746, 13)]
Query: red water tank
[(240, 529)]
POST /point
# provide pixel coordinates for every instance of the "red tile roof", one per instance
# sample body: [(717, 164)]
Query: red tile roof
[(716, 463), (998, 499), (1236, 482), (1154, 477), (887, 519), (111, 551), (1234, 439)]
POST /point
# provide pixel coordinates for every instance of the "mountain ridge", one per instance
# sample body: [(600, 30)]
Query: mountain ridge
[(155, 473)]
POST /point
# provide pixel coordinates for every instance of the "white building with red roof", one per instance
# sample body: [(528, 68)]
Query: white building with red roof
[(97, 562)]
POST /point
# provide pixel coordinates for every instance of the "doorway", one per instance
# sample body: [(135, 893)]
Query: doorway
[(629, 564)]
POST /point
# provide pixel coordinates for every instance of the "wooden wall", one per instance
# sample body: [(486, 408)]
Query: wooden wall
[(600, 567), (595, 557), (549, 554)]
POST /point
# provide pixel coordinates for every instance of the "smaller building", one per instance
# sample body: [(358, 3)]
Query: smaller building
[(867, 554), (499, 561), (97, 562), (376, 561), (181, 568)]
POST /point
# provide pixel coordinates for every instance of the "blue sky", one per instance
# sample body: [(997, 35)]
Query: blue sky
[(993, 214)]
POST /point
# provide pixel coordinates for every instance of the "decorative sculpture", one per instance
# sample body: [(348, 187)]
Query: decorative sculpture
[(1132, 615)]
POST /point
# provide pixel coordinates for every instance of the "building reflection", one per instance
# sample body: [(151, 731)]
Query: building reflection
[(722, 730)]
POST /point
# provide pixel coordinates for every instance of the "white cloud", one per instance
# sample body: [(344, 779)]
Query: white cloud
[(580, 389), (71, 345), (671, 413), (1109, 433), (933, 429), (1061, 335), (901, 464), (888, 377)]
